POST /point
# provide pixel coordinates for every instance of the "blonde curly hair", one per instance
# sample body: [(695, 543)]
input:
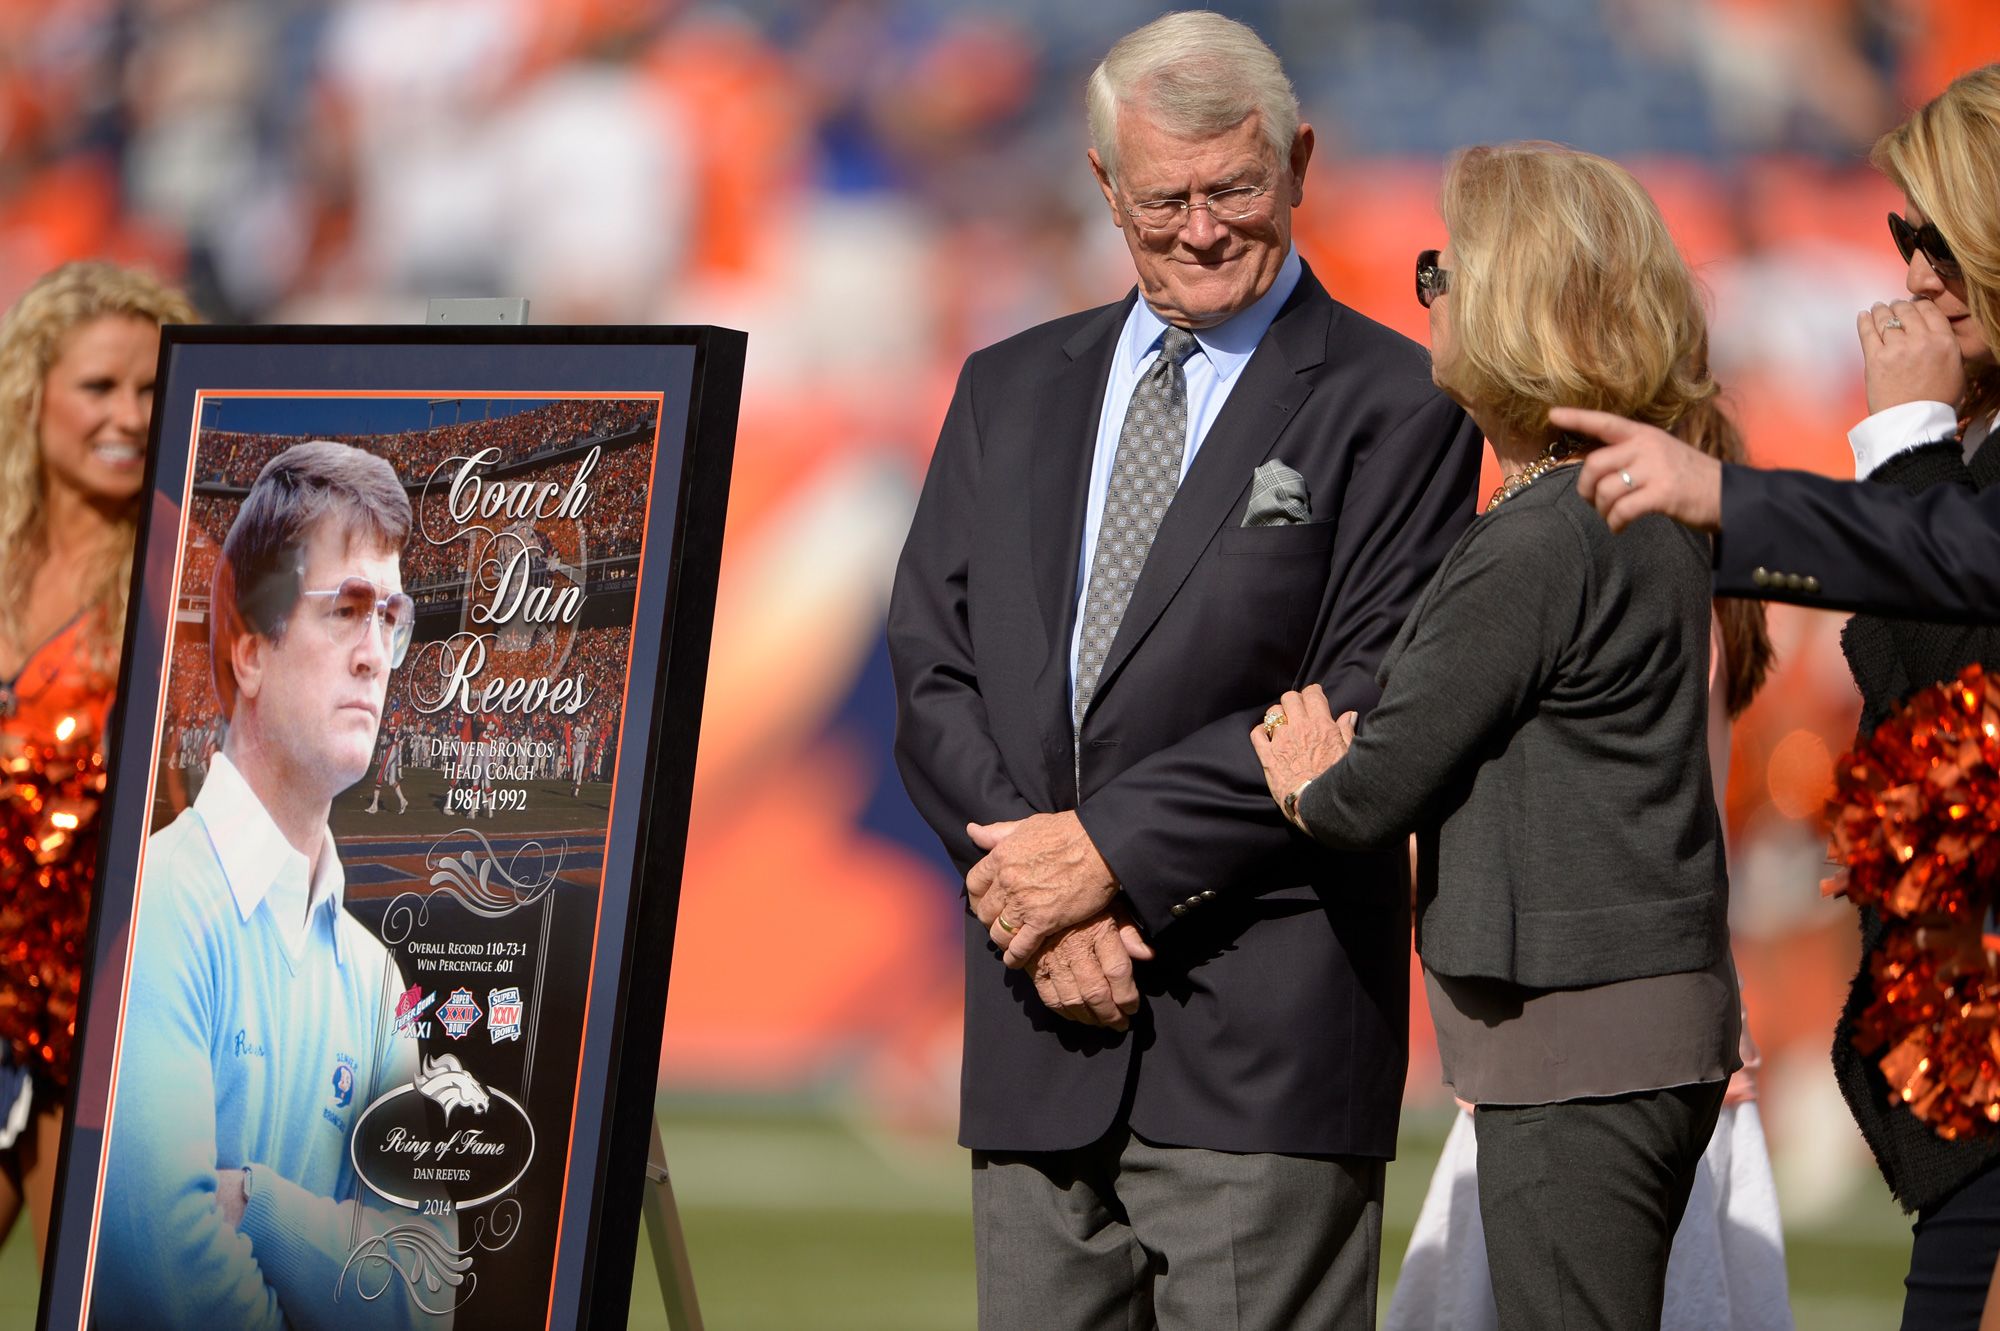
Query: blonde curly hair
[(32, 337)]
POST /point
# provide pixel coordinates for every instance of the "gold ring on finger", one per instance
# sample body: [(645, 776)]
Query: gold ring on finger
[(1005, 927)]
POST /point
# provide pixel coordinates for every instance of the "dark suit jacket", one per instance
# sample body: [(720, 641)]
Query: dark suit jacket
[(1840, 545), (1276, 1017)]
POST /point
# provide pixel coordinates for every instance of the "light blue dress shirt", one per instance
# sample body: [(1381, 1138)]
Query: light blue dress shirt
[(244, 1008), (1211, 372)]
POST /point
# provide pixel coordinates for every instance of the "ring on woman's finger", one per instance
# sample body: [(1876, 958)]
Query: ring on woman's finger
[(1626, 477), (1892, 322), (1272, 720)]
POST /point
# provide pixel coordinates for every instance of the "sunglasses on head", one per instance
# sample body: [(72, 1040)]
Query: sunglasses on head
[(1432, 281), (1910, 239)]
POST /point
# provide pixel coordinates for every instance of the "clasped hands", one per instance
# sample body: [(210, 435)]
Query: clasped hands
[(1049, 901)]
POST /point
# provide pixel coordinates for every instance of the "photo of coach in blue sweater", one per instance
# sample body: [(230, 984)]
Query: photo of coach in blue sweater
[(260, 1021)]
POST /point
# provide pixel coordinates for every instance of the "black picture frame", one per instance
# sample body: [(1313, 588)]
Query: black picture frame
[(695, 376)]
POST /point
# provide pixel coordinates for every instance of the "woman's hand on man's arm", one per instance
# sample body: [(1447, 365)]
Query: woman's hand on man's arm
[(1305, 743)]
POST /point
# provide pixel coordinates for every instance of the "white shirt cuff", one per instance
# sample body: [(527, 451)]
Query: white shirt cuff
[(1898, 429)]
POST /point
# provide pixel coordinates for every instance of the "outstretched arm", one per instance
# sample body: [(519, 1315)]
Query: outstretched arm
[(1793, 536), (1642, 469), (1491, 632)]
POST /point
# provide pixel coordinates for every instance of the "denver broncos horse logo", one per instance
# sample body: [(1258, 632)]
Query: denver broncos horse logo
[(445, 1080)]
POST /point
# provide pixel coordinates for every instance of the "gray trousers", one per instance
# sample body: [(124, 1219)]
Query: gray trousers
[(1123, 1235), (1580, 1202)]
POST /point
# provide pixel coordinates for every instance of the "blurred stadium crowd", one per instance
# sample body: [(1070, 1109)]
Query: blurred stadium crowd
[(872, 188), (233, 459)]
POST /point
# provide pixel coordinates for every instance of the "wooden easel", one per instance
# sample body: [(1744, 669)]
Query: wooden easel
[(663, 1231)]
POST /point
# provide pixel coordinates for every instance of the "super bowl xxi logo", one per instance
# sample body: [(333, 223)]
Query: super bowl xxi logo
[(459, 1013), (411, 1005)]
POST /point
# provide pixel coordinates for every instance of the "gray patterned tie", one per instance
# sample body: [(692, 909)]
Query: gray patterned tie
[(1144, 475)]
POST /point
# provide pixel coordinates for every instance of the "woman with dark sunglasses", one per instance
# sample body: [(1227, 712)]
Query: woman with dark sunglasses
[(1933, 394), (1543, 730)]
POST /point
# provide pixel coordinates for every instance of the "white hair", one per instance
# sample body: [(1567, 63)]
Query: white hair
[(1193, 74)]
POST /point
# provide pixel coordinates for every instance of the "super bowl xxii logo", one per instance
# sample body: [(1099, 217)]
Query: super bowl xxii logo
[(459, 1013)]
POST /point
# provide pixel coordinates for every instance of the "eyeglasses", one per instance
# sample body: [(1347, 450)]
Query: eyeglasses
[(1909, 239), (1225, 205), (347, 610), (1432, 281)]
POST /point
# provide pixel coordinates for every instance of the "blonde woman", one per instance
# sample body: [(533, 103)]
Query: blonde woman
[(77, 353), (1543, 730), (1933, 395), (1933, 392)]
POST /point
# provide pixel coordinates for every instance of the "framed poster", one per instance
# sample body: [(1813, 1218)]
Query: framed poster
[(390, 854)]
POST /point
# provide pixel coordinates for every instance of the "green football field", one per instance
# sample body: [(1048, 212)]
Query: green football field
[(798, 1220), (803, 1219)]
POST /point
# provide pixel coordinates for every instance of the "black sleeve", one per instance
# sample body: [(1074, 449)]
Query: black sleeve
[(944, 744), (1840, 545), (1893, 658)]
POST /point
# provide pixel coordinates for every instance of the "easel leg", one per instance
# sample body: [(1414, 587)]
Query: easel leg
[(670, 1256)]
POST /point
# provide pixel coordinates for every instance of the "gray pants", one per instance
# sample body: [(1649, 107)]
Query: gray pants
[(1123, 1235), (1580, 1201)]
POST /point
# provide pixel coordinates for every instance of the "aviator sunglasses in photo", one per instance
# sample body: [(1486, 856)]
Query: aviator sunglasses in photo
[(346, 611), (1909, 239)]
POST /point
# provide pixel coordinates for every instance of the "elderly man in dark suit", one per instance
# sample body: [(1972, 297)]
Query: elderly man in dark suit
[(1141, 523)]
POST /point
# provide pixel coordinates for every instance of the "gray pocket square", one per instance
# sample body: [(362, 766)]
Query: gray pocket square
[(1277, 497)]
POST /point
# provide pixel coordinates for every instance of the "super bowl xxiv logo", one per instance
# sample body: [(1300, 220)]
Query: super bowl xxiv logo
[(503, 1014)]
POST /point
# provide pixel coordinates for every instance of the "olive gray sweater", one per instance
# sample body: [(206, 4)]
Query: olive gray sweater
[(1543, 729)]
